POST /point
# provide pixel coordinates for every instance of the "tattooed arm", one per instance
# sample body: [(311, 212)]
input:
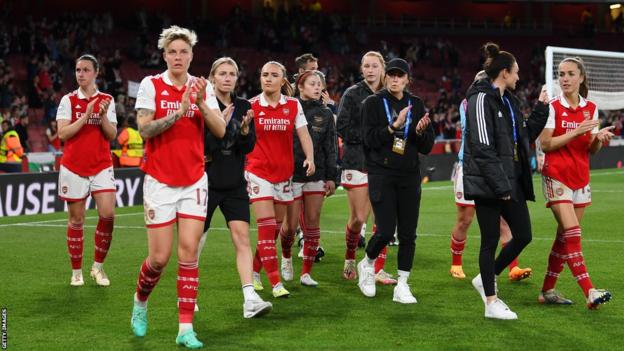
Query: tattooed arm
[(148, 127)]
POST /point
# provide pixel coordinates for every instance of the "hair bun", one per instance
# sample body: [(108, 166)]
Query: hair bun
[(491, 50)]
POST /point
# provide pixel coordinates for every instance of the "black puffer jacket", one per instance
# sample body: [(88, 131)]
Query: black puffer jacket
[(349, 126), (225, 157), (322, 130), (378, 140), (489, 168)]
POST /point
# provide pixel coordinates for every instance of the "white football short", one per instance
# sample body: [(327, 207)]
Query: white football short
[(458, 187), (260, 189), (556, 192), (72, 187), (351, 178), (308, 188)]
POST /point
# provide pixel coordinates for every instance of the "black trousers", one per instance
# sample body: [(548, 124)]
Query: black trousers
[(516, 213), (396, 203)]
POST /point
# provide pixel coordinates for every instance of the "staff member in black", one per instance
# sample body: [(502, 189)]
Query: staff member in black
[(497, 173), (227, 188), (395, 130)]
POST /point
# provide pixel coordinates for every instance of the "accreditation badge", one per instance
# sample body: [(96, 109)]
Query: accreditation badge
[(398, 146)]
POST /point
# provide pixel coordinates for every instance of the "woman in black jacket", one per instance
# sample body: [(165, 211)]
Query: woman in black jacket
[(354, 176), (227, 188), (497, 173), (310, 190), (395, 130)]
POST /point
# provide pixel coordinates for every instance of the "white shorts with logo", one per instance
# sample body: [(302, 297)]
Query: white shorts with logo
[(73, 187), (164, 204), (556, 192), (260, 189), (309, 188), (351, 178), (458, 187)]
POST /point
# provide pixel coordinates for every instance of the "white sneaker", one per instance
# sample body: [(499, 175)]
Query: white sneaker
[(287, 269), (366, 278), (76, 280), (478, 285), (307, 280), (403, 294), (100, 276), (499, 310), (256, 308)]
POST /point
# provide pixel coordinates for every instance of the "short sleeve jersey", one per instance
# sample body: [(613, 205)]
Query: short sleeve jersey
[(176, 156), (570, 163), (88, 151), (272, 157)]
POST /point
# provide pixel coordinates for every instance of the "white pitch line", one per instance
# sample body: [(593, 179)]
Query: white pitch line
[(65, 219), (223, 229)]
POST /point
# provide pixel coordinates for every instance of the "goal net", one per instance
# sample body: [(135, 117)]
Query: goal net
[(605, 70)]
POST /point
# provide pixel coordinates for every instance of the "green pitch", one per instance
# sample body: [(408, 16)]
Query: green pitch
[(45, 313)]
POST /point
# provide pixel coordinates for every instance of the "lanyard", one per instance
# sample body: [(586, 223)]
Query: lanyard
[(408, 119), (513, 119)]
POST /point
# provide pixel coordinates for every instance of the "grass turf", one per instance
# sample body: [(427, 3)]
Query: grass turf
[(44, 312)]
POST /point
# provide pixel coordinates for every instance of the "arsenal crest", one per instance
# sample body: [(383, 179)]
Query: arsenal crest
[(64, 189), (151, 213), (459, 195), (586, 114), (349, 176), (559, 191), (286, 111), (256, 189)]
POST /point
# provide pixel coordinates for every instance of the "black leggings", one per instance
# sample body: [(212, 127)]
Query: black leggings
[(489, 212), (395, 199)]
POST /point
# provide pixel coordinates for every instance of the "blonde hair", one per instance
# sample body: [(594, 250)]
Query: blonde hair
[(287, 89), (174, 33), (220, 61), (378, 55)]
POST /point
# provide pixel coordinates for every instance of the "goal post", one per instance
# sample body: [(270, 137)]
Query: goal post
[(605, 70)]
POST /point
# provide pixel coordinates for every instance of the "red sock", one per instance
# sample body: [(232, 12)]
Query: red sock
[(75, 244), (148, 278), (266, 248), (352, 238), (287, 239), (103, 238), (311, 238), (188, 282), (457, 250), (575, 259), (380, 262), (513, 263), (257, 262), (556, 260)]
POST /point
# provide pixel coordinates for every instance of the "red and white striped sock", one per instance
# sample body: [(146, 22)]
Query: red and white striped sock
[(75, 244), (575, 259), (457, 250), (556, 260), (311, 239), (188, 282), (352, 238), (148, 278), (266, 248), (103, 238)]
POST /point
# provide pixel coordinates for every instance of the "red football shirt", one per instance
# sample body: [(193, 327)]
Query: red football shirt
[(176, 156), (272, 158), (570, 163), (87, 152)]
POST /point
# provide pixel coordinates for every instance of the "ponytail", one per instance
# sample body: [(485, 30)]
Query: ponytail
[(496, 60)]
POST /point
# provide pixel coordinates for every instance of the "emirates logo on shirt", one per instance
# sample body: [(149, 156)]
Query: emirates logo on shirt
[(274, 124)]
